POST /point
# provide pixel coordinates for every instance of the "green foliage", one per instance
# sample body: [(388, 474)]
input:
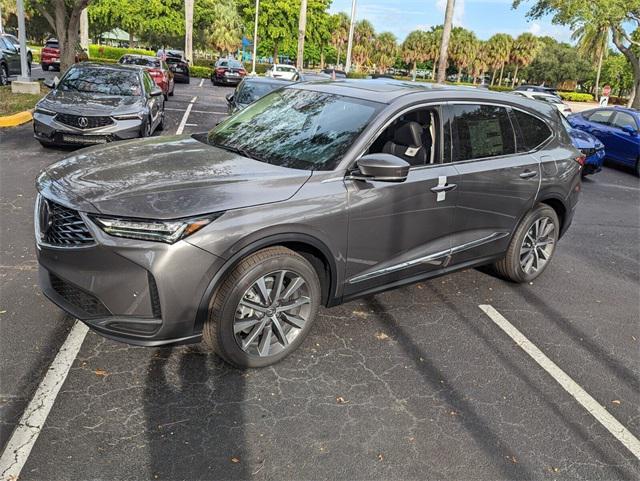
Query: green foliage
[(225, 31), (277, 22), (200, 72), (576, 97), (500, 88), (114, 53), (357, 75), (556, 63)]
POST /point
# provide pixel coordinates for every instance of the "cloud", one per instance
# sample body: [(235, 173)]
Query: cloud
[(458, 11), (535, 28)]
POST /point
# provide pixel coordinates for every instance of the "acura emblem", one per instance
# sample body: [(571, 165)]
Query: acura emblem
[(83, 122), (45, 216)]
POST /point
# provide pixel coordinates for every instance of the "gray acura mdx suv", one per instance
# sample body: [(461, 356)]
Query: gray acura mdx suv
[(316, 194)]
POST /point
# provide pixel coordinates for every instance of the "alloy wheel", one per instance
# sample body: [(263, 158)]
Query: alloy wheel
[(4, 76), (538, 245), (272, 313)]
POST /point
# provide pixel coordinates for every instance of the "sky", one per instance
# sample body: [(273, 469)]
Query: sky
[(484, 17)]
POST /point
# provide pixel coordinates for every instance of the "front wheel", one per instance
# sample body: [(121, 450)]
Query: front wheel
[(531, 247), (263, 309), (145, 130), (4, 75)]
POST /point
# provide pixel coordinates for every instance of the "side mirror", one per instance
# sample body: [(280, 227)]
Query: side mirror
[(382, 168), (156, 92), (629, 130), (50, 84), (229, 97)]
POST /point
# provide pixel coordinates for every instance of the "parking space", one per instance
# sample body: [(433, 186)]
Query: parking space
[(414, 383)]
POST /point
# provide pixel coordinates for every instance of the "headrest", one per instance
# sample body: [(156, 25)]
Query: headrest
[(408, 134)]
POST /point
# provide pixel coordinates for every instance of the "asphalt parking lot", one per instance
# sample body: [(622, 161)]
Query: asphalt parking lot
[(415, 383)]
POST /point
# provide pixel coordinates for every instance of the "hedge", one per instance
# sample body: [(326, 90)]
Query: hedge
[(576, 97), (114, 53), (199, 72)]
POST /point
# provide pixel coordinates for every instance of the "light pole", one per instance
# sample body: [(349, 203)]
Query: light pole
[(1, 27), (84, 30), (302, 28), (347, 65), (255, 40), (188, 31), (25, 75)]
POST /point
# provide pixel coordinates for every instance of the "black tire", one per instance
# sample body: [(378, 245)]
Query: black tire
[(160, 126), (4, 75), (173, 89), (44, 66), (638, 167), (218, 331), (145, 129), (510, 266)]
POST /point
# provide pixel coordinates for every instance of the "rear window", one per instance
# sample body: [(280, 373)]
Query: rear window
[(234, 64), (142, 61), (284, 68), (531, 131), (51, 44), (252, 91), (480, 131)]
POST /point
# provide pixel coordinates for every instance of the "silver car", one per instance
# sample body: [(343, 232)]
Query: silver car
[(96, 104)]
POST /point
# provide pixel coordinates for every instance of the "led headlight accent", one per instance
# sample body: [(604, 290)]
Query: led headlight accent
[(43, 111), (154, 230), (135, 116)]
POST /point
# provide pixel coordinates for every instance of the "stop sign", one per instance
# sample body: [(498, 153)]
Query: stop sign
[(606, 90)]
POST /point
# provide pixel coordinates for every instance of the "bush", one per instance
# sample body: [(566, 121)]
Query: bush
[(114, 53), (575, 97), (357, 75), (199, 72), (500, 88)]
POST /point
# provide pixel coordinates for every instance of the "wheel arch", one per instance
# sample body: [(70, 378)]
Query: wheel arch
[(312, 249)]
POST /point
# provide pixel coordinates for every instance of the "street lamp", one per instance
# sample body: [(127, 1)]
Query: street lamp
[(255, 40), (347, 66), (22, 39)]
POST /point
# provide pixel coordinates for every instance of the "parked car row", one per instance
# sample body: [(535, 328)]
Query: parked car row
[(10, 58)]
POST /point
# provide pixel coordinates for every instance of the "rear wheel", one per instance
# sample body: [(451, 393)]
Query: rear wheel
[(532, 246), (44, 66), (145, 129), (638, 167), (4, 75), (264, 308)]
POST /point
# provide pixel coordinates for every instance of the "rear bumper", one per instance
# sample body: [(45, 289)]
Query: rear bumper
[(227, 80), (141, 293)]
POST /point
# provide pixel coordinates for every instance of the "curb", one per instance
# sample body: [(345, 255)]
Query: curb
[(16, 119)]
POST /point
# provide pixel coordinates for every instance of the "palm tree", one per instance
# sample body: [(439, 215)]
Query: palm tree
[(593, 43), (524, 51), (340, 23), (479, 62), (386, 50), (363, 37), (225, 32), (432, 51), (414, 48), (444, 46), (462, 49), (499, 49)]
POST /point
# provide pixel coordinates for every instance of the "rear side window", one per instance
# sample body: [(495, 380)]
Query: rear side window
[(480, 131), (623, 119), (51, 45), (601, 116), (530, 130)]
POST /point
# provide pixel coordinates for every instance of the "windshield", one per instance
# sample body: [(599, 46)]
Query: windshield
[(252, 91), (296, 128), (143, 61), (101, 81)]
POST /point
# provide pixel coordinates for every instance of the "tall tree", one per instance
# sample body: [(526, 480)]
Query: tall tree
[(414, 48), (363, 37), (524, 50), (433, 40), (225, 32), (444, 46), (499, 46), (462, 49), (64, 18), (479, 63), (386, 51), (277, 21), (593, 43), (340, 27)]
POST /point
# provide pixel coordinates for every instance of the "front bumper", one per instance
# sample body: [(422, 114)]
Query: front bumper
[(50, 131), (594, 162), (138, 292)]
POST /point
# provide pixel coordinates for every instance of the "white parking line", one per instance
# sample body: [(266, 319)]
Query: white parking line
[(584, 398), (183, 122), (216, 112), (19, 447), (201, 82)]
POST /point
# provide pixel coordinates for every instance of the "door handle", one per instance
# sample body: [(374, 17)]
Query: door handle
[(528, 174), (443, 188)]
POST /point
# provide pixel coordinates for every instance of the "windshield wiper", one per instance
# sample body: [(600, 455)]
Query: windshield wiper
[(239, 150)]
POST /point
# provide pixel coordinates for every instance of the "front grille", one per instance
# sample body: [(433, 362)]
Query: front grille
[(84, 121), (61, 226), (78, 298)]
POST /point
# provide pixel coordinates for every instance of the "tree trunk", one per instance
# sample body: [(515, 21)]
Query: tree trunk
[(433, 70), (275, 52), (444, 46), (515, 76), (459, 75), (321, 58), (302, 28), (634, 99), (413, 70), (493, 76), (598, 75), (132, 42), (338, 59), (501, 74)]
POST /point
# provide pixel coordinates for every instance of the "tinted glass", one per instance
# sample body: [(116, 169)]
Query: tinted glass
[(235, 64), (252, 91), (142, 61), (479, 131), (50, 44), (296, 128), (532, 131), (601, 116), (148, 82), (101, 81), (222, 64), (623, 119), (282, 68)]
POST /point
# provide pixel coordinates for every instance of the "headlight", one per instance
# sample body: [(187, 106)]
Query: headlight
[(43, 111), (136, 116), (153, 230)]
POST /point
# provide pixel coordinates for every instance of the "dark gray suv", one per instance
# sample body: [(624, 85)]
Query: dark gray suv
[(316, 194)]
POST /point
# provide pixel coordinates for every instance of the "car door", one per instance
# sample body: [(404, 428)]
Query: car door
[(153, 102), (624, 145), (400, 231), (497, 184)]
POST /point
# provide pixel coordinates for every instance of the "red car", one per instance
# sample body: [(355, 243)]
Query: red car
[(50, 55), (157, 68), (227, 71)]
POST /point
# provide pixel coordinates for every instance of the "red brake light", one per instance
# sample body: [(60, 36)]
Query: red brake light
[(242, 71), (580, 159), (155, 73), (220, 70)]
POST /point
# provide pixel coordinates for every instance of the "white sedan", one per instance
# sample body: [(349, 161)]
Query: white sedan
[(550, 98), (285, 72)]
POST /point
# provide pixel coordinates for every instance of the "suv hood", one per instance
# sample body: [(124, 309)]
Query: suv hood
[(165, 178), (80, 103)]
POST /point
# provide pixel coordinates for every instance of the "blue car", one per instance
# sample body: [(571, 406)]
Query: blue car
[(617, 128), (591, 147)]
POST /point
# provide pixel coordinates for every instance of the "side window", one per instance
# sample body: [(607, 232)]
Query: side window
[(413, 137), (530, 131), (601, 116), (623, 119), (148, 82), (480, 131)]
